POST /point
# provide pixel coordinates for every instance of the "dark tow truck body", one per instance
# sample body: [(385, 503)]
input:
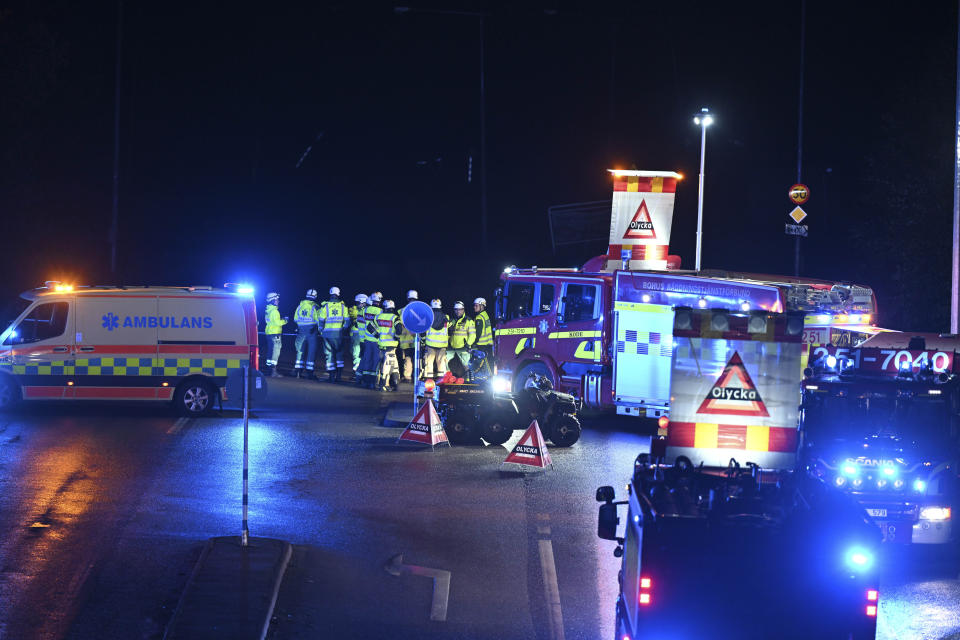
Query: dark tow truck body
[(734, 554)]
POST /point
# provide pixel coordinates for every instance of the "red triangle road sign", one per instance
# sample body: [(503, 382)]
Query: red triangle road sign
[(734, 392), (530, 450), (425, 428), (641, 227)]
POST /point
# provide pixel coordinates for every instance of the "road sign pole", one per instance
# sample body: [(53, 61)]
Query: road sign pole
[(245, 533), (796, 256), (416, 371)]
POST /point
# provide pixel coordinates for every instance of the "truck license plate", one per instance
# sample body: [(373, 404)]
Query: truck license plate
[(877, 513)]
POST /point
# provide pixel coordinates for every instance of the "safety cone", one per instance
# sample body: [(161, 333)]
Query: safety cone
[(530, 450), (425, 428)]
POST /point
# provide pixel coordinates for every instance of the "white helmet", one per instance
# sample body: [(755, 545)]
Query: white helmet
[(458, 305), (361, 298), (480, 301), (435, 304), (272, 296), (334, 291), (388, 304), (311, 294), (376, 296), (412, 295)]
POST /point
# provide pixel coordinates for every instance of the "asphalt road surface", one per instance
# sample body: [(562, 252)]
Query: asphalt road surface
[(104, 511)]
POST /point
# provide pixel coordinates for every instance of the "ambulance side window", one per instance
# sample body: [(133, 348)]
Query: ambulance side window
[(520, 300), (46, 321), (580, 302)]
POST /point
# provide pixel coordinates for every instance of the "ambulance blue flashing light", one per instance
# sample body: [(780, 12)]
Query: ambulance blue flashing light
[(831, 362), (859, 559), (905, 366), (245, 289)]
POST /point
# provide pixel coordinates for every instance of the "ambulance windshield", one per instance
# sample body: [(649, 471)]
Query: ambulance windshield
[(12, 311)]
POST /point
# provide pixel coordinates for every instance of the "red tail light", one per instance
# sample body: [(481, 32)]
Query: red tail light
[(645, 583), (646, 587), (872, 610), (644, 598), (872, 595), (255, 357)]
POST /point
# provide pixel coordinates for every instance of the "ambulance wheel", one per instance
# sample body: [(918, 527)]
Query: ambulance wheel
[(526, 372), (495, 430), (9, 393), (194, 397), (565, 431), (462, 428)]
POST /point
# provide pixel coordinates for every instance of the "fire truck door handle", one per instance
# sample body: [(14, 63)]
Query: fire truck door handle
[(85, 349)]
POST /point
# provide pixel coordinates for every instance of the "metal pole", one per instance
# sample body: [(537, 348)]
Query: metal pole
[(116, 144), (955, 268), (245, 534), (416, 371), (803, 38), (703, 155), (483, 143)]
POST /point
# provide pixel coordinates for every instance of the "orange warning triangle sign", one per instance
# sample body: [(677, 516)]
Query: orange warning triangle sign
[(734, 392), (425, 428), (641, 227), (530, 450)]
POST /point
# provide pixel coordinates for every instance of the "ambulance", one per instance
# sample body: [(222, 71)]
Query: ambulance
[(170, 344)]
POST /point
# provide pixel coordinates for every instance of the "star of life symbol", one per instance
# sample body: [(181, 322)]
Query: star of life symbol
[(543, 326), (110, 321)]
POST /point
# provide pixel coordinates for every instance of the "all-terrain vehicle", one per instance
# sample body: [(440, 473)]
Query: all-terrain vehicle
[(483, 408)]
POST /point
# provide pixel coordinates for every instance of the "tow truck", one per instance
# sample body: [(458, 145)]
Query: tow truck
[(739, 553), (881, 422)]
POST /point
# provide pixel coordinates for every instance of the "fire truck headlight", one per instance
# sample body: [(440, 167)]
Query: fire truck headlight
[(839, 481), (898, 483), (857, 482), (935, 513), (501, 384), (859, 559), (881, 484), (919, 485)]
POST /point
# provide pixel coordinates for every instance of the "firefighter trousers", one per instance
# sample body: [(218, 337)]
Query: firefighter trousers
[(306, 344), (370, 362), (275, 344), (434, 362), (356, 349), (407, 357), (389, 368)]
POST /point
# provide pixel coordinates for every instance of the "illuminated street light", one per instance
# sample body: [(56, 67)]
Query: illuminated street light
[(703, 120)]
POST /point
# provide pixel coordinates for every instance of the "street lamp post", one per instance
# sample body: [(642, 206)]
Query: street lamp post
[(703, 119)]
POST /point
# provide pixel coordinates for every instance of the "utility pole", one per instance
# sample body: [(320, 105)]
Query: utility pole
[(116, 144), (803, 38), (955, 268)]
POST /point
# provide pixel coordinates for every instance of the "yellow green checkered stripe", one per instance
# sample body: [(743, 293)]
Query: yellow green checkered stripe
[(165, 367)]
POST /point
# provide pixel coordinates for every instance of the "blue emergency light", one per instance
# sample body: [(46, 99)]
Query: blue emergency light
[(859, 559)]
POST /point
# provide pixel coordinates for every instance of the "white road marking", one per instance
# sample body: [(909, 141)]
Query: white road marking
[(178, 426), (441, 584), (551, 589)]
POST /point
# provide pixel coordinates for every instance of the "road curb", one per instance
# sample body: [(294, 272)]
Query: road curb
[(232, 591)]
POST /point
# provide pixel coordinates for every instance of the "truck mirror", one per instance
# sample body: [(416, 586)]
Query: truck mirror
[(605, 494), (607, 521), (499, 309)]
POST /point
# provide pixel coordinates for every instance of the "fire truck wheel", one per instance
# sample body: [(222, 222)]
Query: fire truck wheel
[(194, 397), (9, 393), (565, 431), (527, 371), (462, 429), (495, 430)]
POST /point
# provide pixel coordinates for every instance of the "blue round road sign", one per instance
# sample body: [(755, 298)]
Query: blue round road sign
[(417, 317)]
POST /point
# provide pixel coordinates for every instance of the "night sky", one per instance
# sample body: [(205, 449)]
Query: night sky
[(220, 102)]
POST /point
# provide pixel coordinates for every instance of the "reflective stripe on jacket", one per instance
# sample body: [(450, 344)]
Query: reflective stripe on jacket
[(438, 338), (406, 338), (463, 333), (369, 318), (483, 329), (271, 316), (356, 316)]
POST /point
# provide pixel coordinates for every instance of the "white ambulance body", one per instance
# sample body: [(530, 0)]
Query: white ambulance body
[(127, 343)]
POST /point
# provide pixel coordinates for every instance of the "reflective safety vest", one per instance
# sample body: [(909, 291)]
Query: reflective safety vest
[(464, 333), (356, 316), (406, 338), (438, 338), (306, 313), (331, 318), (370, 317), (387, 323), (483, 329), (274, 322)]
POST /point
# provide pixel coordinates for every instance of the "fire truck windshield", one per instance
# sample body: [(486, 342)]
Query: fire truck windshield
[(923, 420)]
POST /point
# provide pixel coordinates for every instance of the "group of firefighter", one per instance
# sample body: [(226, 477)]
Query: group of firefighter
[(371, 331)]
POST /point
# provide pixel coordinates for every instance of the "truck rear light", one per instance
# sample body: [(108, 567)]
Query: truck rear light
[(872, 595), (645, 583), (872, 610), (644, 598)]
